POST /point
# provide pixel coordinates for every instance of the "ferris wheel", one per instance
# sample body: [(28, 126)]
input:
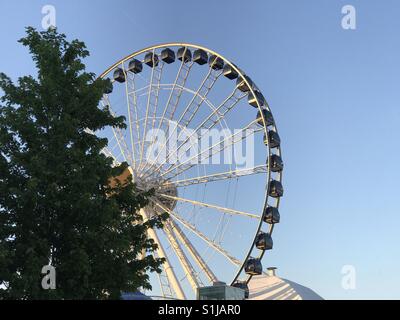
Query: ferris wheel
[(222, 205)]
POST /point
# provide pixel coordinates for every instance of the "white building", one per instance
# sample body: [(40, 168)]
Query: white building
[(270, 287)]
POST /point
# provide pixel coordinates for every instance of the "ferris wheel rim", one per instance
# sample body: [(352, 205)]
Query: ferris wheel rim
[(252, 90)]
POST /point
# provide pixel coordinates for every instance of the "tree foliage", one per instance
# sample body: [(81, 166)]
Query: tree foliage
[(56, 203)]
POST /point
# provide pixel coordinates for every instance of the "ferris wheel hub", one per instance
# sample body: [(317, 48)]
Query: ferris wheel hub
[(161, 187)]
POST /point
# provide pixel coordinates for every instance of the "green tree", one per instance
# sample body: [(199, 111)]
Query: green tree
[(57, 205)]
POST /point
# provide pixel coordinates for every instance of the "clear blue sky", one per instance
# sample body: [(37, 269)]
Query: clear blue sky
[(335, 96)]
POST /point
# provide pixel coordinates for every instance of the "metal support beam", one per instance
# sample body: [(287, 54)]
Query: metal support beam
[(169, 271), (193, 252), (185, 263), (187, 225)]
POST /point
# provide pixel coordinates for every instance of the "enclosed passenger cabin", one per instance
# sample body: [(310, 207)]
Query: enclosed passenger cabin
[(109, 87), (264, 241), (200, 56), (167, 55), (215, 62), (271, 215), (273, 139), (276, 163), (267, 116), (119, 75), (241, 84), (135, 66), (253, 267), (275, 189), (151, 59), (230, 72), (254, 98), (242, 285), (184, 54)]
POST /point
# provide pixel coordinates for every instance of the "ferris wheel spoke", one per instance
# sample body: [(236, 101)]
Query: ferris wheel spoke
[(118, 135), (218, 176), (209, 242), (198, 99), (216, 148), (152, 99), (193, 106), (207, 205), (174, 97), (156, 90), (217, 114), (152, 169), (134, 112), (215, 117), (106, 151), (130, 120), (190, 273)]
